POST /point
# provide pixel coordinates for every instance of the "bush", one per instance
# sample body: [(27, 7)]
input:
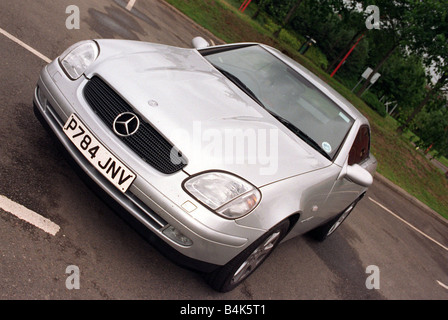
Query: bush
[(372, 101), (316, 55), (295, 41), (292, 40)]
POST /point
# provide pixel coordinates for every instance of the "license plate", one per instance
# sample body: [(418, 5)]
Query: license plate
[(105, 162)]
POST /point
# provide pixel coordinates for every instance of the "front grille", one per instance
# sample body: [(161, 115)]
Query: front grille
[(147, 142)]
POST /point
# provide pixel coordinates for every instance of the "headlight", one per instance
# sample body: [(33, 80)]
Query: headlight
[(226, 194), (78, 57)]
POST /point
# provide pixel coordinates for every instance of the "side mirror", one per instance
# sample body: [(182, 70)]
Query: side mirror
[(359, 175), (199, 43)]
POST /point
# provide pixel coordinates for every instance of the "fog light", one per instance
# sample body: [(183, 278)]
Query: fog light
[(177, 236)]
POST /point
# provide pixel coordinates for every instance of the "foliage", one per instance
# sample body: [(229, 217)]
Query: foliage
[(429, 34), (278, 9), (403, 81), (373, 102), (431, 126)]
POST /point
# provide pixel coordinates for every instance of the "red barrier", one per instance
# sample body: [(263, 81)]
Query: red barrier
[(346, 56), (244, 5)]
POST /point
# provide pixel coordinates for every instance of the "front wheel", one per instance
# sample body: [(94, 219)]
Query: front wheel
[(324, 231), (242, 266)]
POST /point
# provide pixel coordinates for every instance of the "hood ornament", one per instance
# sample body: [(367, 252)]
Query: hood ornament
[(153, 103)]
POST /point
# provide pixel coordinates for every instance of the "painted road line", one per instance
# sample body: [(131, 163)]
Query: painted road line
[(24, 45), (130, 5), (409, 225), (442, 284), (28, 215)]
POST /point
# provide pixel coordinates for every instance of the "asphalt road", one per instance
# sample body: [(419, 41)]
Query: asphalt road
[(407, 246)]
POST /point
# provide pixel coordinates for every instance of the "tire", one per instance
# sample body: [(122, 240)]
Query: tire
[(324, 231), (243, 265)]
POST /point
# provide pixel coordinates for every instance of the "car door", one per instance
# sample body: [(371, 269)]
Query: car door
[(344, 191)]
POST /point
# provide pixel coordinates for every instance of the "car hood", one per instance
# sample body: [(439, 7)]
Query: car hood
[(215, 124)]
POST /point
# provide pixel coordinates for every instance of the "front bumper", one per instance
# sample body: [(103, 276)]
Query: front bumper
[(155, 200)]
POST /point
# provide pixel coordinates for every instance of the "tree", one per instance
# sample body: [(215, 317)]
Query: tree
[(429, 95), (429, 32), (260, 7), (396, 17), (351, 19), (288, 17), (403, 80), (431, 126)]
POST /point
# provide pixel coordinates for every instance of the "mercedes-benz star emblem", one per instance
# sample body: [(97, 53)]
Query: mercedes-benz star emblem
[(126, 124)]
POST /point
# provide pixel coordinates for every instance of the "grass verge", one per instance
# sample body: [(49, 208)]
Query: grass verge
[(397, 159)]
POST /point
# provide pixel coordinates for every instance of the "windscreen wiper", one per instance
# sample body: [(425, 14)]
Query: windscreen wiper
[(301, 135), (285, 122), (241, 85)]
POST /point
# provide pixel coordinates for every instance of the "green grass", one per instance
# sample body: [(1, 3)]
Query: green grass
[(443, 160), (397, 158)]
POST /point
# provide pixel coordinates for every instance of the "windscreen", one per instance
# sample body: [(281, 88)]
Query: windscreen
[(288, 96)]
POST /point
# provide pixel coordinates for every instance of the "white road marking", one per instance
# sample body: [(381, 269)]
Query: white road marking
[(409, 225), (29, 216), (24, 45), (130, 5), (442, 284)]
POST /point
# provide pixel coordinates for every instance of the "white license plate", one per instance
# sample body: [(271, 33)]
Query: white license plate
[(105, 162)]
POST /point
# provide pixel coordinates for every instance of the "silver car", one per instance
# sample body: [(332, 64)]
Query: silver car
[(216, 153)]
